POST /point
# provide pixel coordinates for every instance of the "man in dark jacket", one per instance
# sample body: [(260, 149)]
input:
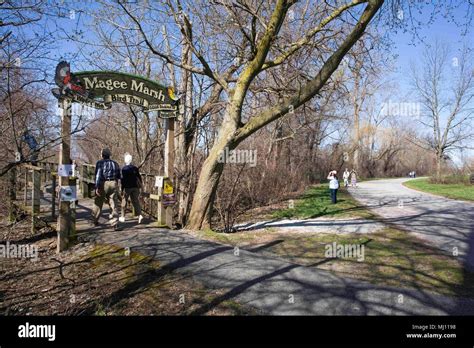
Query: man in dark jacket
[(131, 185), (107, 175)]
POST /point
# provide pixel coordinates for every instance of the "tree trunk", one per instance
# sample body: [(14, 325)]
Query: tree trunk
[(184, 158), (439, 159), (200, 215), (201, 209)]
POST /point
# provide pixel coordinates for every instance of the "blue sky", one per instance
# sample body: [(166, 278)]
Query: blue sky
[(409, 49)]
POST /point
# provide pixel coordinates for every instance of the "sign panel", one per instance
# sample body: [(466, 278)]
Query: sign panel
[(168, 199), (68, 193), (159, 181), (99, 89), (66, 170), (167, 187)]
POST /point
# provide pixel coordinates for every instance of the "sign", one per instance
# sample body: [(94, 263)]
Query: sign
[(168, 199), (167, 187), (99, 89), (66, 170), (159, 181), (68, 193)]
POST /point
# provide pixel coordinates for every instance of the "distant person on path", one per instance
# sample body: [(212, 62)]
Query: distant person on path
[(131, 185), (333, 185), (353, 178), (107, 175), (345, 176)]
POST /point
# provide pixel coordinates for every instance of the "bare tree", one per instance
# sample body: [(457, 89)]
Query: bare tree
[(445, 87)]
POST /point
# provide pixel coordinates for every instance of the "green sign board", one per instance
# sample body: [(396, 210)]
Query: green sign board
[(99, 89)]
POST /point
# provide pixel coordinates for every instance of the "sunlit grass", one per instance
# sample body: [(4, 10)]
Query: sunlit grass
[(316, 202), (455, 191)]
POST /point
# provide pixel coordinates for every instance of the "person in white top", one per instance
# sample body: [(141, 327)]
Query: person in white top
[(345, 176), (333, 185)]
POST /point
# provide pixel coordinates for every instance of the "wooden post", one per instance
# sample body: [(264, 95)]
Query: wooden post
[(53, 196), (25, 193), (84, 183), (169, 163), (161, 210), (36, 192), (35, 197), (12, 195), (66, 219), (165, 214)]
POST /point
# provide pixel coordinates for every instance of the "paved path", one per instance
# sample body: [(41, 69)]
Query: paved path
[(265, 282), (445, 223), (271, 284)]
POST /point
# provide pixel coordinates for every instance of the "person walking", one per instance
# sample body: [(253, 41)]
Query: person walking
[(333, 185), (345, 176), (131, 185), (353, 178), (107, 176)]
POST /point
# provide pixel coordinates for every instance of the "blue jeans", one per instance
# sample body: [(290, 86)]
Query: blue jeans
[(333, 195)]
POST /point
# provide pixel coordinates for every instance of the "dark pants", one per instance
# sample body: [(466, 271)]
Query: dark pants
[(333, 195)]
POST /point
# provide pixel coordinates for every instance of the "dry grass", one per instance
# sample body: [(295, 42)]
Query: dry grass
[(92, 279)]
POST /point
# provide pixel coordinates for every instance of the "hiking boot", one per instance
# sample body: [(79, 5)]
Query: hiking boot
[(122, 219)]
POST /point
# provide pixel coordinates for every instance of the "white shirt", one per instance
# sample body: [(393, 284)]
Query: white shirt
[(333, 183)]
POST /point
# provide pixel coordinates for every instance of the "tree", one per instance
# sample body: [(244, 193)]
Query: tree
[(23, 83), (241, 66), (446, 98), (232, 131)]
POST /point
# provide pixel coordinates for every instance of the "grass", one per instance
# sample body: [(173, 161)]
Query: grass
[(392, 257), (316, 202), (104, 280), (454, 191)]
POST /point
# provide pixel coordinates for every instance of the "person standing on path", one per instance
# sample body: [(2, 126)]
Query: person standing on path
[(131, 185), (353, 178), (345, 176), (107, 175), (333, 185)]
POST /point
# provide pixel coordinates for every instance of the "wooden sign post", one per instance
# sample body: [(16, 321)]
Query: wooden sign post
[(66, 219), (100, 89), (165, 213)]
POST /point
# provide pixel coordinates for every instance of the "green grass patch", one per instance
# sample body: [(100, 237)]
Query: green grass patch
[(391, 257), (316, 202), (454, 191)]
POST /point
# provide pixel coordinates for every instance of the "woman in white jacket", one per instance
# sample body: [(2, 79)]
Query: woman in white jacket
[(333, 185)]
